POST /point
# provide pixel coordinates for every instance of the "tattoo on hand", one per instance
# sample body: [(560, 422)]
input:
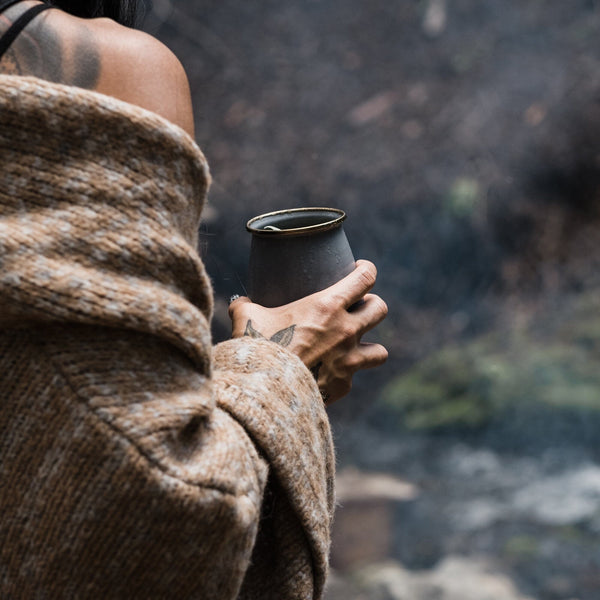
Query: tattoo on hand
[(283, 337)]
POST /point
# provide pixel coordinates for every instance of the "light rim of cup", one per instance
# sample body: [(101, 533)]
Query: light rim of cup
[(325, 226)]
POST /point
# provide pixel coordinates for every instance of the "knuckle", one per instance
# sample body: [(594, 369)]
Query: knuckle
[(337, 301), (348, 331), (325, 305)]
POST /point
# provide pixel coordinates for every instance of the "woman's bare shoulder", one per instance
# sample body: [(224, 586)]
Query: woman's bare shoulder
[(104, 56), (139, 69)]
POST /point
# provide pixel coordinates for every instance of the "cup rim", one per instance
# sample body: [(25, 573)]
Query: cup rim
[(331, 224)]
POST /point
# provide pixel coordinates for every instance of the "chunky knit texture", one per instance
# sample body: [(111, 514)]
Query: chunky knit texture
[(136, 461)]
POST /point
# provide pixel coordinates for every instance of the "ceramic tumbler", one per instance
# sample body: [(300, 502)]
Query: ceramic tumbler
[(296, 252)]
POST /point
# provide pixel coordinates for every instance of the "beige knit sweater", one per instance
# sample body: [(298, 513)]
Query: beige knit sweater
[(136, 460)]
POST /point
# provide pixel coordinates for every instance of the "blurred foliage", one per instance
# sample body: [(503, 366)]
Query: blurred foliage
[(461, 140), (530, 370), (521, 547), (464, 196)]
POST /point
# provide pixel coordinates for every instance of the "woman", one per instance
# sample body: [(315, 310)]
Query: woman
[(138, 461)]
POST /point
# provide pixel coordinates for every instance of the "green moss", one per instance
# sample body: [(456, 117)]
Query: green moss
[(572, 534), (450, 388), (472, 384), (463, 196), (521, 547)]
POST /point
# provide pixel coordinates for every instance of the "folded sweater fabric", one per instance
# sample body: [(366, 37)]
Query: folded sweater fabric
[(136, 459)]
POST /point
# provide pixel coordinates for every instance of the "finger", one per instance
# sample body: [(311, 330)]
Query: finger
[(372, 355), (335, 390), (354, 286), (337, 384), (364, 356), (370, 313)]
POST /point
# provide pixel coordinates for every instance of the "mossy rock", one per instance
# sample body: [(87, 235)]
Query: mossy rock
[(485, 380), (521, 548)]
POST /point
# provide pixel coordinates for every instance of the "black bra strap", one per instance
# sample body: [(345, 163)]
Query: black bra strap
[(9, 37)]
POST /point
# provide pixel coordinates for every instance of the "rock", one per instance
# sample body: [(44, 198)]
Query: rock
[(460, 578), (569, 497), (373, 108), (434, 21), (352, 484), (564, 499), (363, 530), (455, 578)]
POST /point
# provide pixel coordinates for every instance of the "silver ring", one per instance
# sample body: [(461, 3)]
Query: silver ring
[(233, 298)]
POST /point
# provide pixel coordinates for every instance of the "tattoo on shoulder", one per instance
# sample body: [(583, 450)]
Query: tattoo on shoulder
[(283, 337), (40, 51), (10, 64), (86, 70)]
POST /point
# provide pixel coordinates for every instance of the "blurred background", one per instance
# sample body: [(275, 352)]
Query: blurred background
[(461, 138)]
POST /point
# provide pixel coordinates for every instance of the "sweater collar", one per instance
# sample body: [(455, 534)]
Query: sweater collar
[(99, 210)]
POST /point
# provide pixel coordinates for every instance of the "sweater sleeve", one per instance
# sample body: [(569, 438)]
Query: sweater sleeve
[(149, 464), (274, 397), (119, 477), (148, 479)]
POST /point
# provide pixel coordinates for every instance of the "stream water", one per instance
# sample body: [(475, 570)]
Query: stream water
[(508, 525)]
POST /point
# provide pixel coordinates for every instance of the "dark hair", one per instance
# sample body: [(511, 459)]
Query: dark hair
[(122, 11)]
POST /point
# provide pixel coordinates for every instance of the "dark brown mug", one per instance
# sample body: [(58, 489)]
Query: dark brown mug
[(295, 253)]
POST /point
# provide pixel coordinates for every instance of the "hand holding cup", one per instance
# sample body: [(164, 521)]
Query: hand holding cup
[(310, 295), (320, 329)]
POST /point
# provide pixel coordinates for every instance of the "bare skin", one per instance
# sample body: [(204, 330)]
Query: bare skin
[(321, 331), (100, 55)]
